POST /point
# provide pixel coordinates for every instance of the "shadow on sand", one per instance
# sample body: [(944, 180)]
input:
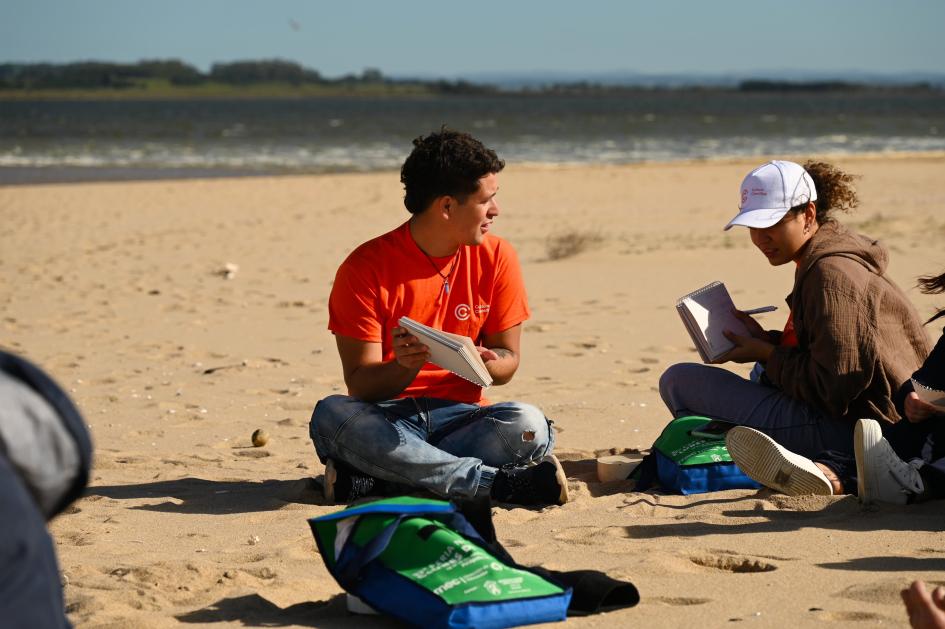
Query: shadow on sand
[(200, 496), (253, 610)]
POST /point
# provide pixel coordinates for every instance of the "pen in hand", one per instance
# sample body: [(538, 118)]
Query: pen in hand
[(754, 311)]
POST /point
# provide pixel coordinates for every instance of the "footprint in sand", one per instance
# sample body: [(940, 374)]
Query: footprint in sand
[(726, 551), (661, 349), (82, 606), (732, 563), (266, 573), (295, 405), (841, 616), (254, 454), (80, 539), (590, 535), (883, 592), (681, 601)]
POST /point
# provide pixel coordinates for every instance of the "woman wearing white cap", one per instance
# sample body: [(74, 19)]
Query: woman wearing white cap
[(851, 339)]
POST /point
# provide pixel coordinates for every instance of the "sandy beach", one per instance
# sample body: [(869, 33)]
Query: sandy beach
[(183, 315)]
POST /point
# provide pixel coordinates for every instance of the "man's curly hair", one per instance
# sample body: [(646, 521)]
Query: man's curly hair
[(443, 163)]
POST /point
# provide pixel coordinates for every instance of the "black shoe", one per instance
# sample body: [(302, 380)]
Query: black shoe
[(343, 484), (542, 484)]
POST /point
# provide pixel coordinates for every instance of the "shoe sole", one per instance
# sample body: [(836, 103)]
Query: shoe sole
[(560, 476), (328, 485), (866, 436), (765, 461)]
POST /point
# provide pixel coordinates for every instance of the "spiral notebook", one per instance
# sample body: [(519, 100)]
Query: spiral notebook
[(451, 352), (706, 313)]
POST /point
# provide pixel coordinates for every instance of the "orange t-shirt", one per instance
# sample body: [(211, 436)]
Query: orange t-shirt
[(789, 336), (390, 277)]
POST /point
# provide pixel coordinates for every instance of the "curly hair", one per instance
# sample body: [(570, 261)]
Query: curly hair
[(446, 162), (834, 190), (931, 284)]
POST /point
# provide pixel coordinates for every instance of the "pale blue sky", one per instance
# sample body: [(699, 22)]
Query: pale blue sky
[(441, 38)]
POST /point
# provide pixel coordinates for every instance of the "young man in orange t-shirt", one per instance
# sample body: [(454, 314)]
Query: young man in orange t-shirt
[(406, 421)]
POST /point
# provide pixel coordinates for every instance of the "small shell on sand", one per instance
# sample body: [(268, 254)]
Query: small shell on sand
[(228, 271), (260, 437)]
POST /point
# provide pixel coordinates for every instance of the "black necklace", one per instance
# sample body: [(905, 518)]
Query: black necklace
[(449, 274)]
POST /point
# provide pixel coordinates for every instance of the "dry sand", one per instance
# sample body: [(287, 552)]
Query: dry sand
[(119, 290)]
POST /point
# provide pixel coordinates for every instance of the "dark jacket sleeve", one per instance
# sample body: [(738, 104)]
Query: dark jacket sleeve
[(30, 591), (931, 374)]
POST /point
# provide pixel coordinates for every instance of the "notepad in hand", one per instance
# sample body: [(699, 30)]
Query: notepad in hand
[(453, 352), (706, 313), (929, 395)]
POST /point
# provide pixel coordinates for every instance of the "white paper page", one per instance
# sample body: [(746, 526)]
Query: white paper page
[(446, 352), (929, 396), (711, 310)]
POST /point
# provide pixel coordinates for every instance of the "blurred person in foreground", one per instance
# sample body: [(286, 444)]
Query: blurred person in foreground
[(45, 456), (926, 609)]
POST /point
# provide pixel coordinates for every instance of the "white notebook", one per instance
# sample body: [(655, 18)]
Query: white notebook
[(928, 395), (453, 352), (706, 313)]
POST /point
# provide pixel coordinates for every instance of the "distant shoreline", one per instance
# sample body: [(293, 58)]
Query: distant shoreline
[(409, 90), (161, 79), (280, 92), (212, 92), (11, 176)]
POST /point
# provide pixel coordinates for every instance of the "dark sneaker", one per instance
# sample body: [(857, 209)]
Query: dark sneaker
[(343, 484), (541, 484)]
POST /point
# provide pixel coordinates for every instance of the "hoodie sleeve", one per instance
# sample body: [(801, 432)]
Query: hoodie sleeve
[(836, 362)]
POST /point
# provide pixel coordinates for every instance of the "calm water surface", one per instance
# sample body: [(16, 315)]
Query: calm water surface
[(56, 141)]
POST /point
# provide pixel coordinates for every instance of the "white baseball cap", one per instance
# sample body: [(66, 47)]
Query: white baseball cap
[(769, 191)]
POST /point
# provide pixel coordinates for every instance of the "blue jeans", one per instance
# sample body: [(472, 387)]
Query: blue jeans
[(449, 448), (692, 389)]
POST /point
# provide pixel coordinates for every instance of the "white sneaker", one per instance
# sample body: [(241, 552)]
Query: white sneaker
[(880, 474), (767, 462)]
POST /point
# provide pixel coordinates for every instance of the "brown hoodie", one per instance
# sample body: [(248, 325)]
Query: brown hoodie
[(859, 337)]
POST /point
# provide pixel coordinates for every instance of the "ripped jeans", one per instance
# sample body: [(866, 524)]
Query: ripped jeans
[(450, 448)]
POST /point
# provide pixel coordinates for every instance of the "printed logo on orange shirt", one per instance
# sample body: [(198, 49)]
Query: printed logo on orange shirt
[(463, 311)]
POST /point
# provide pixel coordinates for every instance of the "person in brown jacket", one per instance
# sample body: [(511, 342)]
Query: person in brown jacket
[(852, 337)]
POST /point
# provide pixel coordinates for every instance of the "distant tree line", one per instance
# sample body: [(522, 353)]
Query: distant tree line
[(95, 74), (98, 74), (761, 85), (124, 76)]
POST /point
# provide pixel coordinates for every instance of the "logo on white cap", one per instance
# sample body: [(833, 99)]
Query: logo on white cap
[(769, 191)]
